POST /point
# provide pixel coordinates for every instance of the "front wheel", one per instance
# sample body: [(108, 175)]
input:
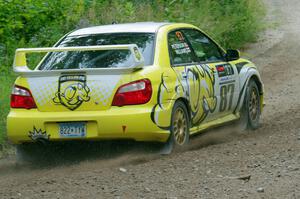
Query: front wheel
[(250, 113)]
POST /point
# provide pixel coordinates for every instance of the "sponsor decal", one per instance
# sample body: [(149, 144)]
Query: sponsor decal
[(72, 91), (181, 48), (179, 35), (224, 70), (227, 80)]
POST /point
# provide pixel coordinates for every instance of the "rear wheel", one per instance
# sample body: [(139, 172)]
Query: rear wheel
[(180, 124), (179, 129), (250, 113)]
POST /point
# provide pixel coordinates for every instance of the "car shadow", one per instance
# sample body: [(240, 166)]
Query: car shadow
[(128, 152)]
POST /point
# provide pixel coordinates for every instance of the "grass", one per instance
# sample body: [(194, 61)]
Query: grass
[(6, 82)]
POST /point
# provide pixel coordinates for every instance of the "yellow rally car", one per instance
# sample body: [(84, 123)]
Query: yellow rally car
[(142, 81)]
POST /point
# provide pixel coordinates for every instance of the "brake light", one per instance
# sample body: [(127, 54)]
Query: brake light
[(137, 92), (21, 98)]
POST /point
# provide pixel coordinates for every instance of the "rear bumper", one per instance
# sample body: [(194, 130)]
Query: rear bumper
[(117, 123)]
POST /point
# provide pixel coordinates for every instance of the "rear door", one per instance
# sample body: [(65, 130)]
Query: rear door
[(225, 74), (196, 81)]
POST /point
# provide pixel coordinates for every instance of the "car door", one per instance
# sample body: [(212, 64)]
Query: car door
[(225, 74), (194, 81)]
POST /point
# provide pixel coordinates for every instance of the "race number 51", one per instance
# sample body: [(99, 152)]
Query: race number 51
[(226, 96)]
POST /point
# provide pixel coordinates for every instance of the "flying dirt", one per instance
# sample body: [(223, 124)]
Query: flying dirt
[(220, 163)]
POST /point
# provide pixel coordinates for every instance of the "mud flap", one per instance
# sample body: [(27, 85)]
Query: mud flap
[(167, 148)]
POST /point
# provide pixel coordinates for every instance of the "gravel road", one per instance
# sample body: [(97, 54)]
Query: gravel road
[(221, 163)]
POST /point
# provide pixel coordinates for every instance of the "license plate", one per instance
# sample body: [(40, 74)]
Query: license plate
[(72, 129)]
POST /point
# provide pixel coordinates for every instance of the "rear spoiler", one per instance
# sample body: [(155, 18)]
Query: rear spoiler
[(20, 62)]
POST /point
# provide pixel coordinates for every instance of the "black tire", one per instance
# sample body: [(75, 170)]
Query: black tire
[(176, 141), (251, 111), (180, 127)]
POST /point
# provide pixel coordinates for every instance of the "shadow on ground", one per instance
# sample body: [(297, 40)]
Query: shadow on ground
[(112, 153)]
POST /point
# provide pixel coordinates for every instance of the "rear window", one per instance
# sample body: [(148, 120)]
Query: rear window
[(102, 58)]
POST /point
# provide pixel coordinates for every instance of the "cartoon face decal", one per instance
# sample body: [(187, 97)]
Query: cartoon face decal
[(72, 91), (38, 134), (208, 100), (196, 84)]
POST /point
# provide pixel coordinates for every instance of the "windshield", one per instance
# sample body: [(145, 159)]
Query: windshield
[(103, 58)]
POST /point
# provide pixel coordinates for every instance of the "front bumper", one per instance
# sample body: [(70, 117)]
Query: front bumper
[(116, 123)]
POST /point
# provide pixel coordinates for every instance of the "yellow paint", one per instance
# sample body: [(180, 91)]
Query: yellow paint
[(148, 122), (20, 59), (214, 123)]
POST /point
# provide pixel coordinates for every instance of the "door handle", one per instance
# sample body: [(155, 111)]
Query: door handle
[(184, 75)]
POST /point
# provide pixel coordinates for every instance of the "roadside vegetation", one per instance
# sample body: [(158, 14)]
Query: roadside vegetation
[(40, 23)]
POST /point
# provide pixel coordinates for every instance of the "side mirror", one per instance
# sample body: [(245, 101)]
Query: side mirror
[(232, 55)]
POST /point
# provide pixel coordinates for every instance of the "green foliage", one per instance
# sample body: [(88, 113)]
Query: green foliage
[(32, 23), (6, 81), (40, 23)]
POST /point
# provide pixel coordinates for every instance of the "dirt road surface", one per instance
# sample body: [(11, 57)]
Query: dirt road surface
[(220, 163)]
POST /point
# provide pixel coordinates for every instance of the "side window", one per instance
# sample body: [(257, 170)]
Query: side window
[(180, 51), (205, 49)]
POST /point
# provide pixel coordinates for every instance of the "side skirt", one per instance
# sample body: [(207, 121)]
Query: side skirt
[(214, 123)]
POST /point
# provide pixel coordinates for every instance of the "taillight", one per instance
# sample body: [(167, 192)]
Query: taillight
[(137, 92), (21, 98)]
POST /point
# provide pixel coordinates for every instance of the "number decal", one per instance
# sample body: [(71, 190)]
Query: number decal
[(231, 88), (224, 103), (223, 98)]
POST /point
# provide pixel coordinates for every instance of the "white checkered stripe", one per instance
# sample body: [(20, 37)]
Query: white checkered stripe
[(101, 88), (43, 89)]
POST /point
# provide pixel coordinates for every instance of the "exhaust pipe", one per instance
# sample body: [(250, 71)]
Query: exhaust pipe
[(42, 141)]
